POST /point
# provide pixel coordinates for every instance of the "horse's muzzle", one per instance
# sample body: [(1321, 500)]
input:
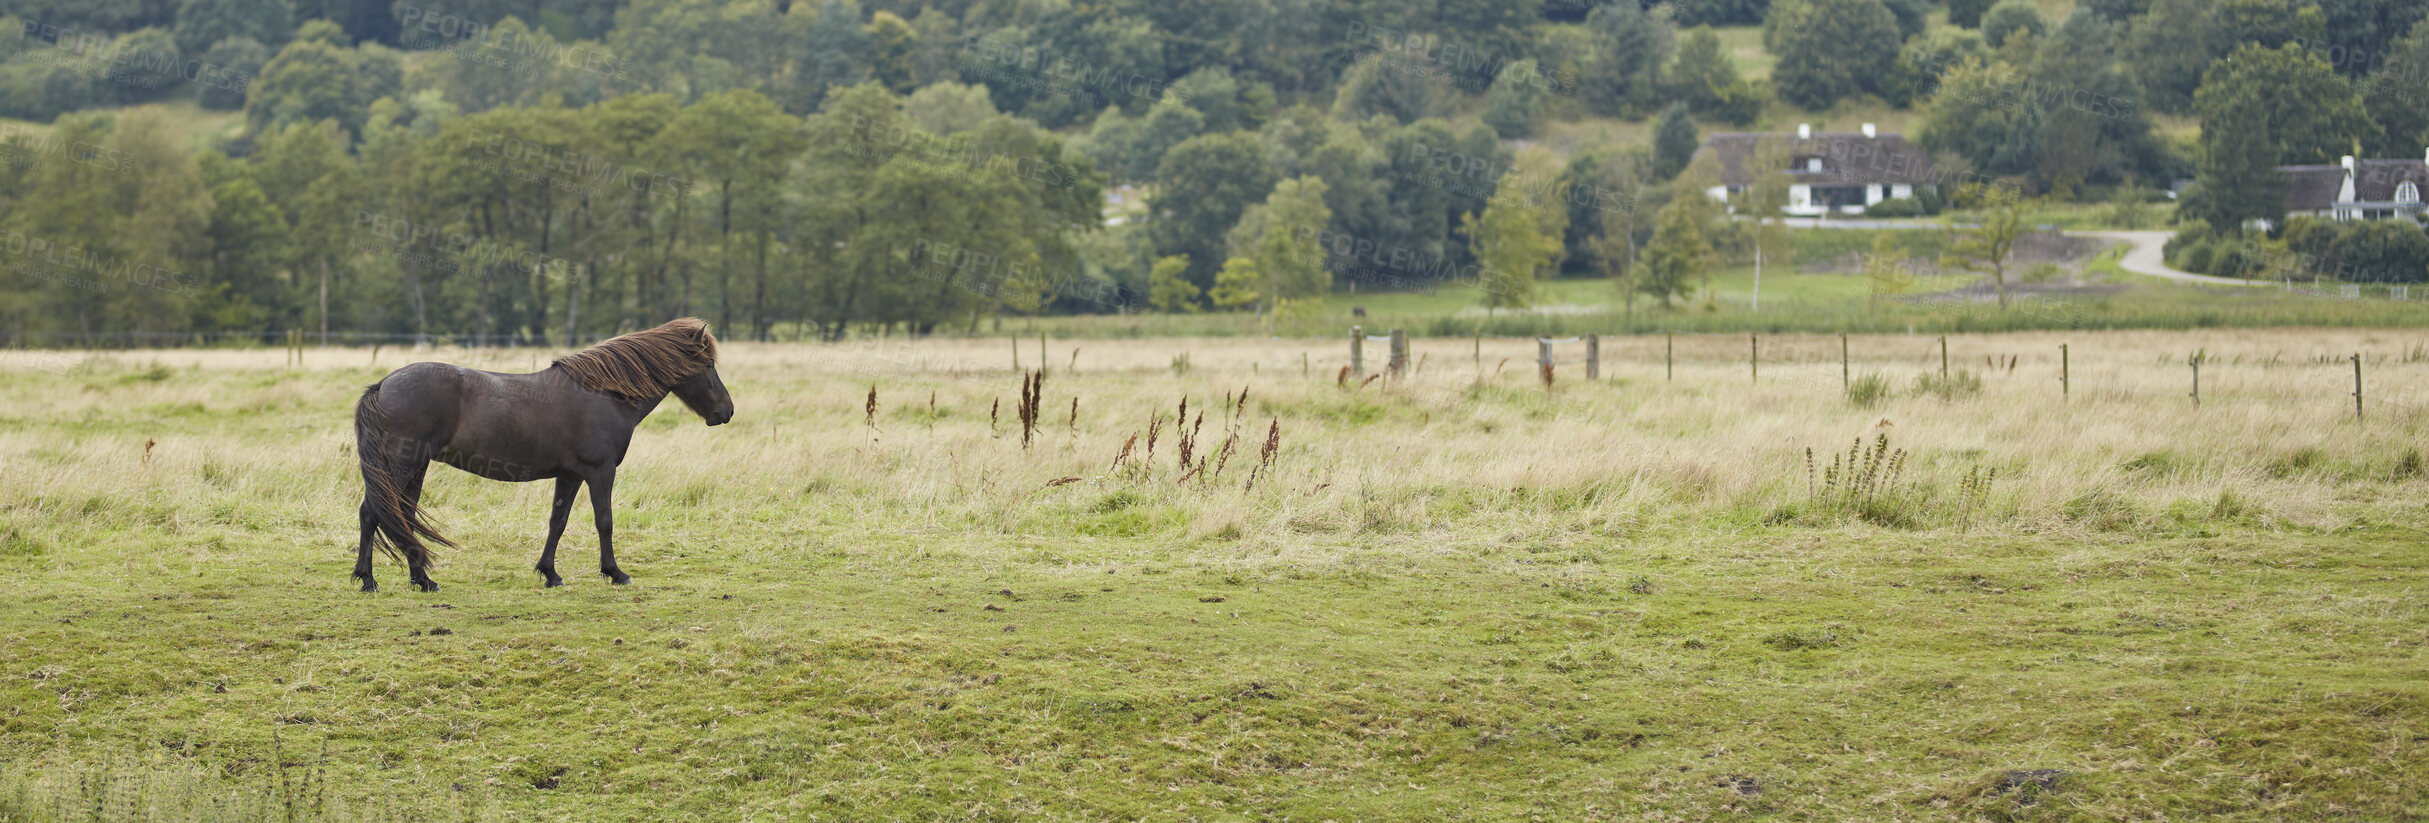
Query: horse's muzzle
[(721, 419)]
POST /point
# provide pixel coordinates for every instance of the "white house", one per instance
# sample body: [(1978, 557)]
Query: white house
[(2357, 189), (1845, 172)]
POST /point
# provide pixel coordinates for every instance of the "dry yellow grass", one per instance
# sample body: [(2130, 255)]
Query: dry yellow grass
[(1453, 596), (2274, 426)]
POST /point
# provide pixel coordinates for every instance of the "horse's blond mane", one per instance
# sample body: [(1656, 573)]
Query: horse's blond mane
[(644, 363)]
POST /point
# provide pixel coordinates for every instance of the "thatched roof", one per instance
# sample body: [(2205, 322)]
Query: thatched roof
[(1848, 158)]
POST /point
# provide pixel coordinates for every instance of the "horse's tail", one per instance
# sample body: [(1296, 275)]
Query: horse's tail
[(389, 466)]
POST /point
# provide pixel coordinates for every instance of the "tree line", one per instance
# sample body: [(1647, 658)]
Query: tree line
[(546, 169)]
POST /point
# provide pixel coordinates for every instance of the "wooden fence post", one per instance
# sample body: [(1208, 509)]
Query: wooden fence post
[(1593, 357), (1754, 351), (1399, 361), (1016, 354), (1357, 352), (1669, 348), (2064, 384), (2357, 385), (1844, 384), (1041, 351), (1543, 360), (1943, 359), (2196, 361)]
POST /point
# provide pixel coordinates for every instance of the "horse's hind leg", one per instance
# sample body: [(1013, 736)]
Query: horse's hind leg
[(566, 487), (603, 515), (362, 557), (417, 561)]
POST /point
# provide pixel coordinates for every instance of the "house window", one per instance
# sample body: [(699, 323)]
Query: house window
[(2405, 192), (1837, 196)]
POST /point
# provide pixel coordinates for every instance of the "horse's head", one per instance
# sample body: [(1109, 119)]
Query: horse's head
[(706, 396)]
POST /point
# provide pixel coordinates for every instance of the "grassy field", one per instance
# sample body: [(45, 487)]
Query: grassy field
[(1454, 596), (202, 128), (2093, 293)]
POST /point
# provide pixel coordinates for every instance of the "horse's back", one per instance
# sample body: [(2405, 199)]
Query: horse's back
[(419, 401)]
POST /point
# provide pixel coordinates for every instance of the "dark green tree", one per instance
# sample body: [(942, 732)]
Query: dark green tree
[(2170, 46), (1674, 142), (1719, 12), (233, 64), (2095, 131), (1703, 74), (1164, 127), (2237, 179), (1967, 13), (1202, 186), (2358, 32), (1425, 171), (1924, 59), (1213, 93), (2116, 11), (307, 81), (1914, 16), (2397, 98), (1830, 49), (1623, 71), (1515, 102), (2312, 114), (201, 23), (2009, 17), (247, 238), (1377, 86), (836, 52)]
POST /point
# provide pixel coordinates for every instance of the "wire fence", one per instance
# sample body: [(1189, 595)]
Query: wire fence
[(166, 339)]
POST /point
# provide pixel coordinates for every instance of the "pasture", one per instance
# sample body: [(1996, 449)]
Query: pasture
[(1458, 595)]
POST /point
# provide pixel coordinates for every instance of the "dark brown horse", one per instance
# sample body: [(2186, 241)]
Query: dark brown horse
[(570, 422)]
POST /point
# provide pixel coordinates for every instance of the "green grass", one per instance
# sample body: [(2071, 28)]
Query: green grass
[(871, 680), (1744, 45), (1792, 301), (833, 647), (203, 128)]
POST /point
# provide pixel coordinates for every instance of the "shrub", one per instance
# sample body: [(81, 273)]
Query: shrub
[(2190, 233), (2042, 273), (1868, 390), (2383, 251), (1896, 207), (1866, 483), (1958, 385), (2195, 258)]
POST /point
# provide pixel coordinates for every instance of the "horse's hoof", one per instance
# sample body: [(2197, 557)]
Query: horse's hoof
[(555, 581), (426, 585), (371, 588), (620, 578)]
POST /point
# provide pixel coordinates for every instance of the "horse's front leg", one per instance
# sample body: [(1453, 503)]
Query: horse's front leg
[(557, 512), (603, 515)]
